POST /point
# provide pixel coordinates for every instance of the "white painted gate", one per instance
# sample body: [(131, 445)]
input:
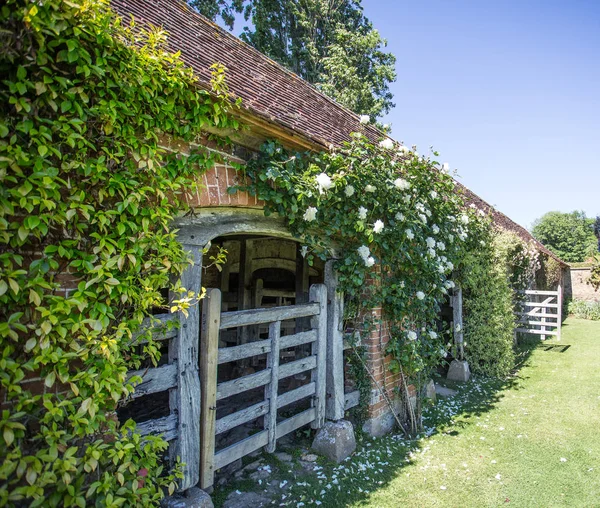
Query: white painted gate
[(211, 356), (540, 313)]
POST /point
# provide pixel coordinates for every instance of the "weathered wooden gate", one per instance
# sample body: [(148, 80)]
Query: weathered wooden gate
[(540, 313), (211, 356)]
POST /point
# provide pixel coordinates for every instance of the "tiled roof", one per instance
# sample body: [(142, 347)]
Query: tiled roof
[(268, 90)]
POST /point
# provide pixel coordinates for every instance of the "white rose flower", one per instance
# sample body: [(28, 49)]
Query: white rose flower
[(423, 218), (435, 229), (365, 119), (430, 242), (441, 268), (402, 284), (433, 194), (349, 190), (386, 143), (432, 334), (364, 252), (399, 216), (362, 213), (409, 234), (324, 182), (304, 251), (412, 335), (370, 261), (482, 243), (404, 149), (457, 328), (310, 214), (378, 226), (431, 253), (482, 213), (451, 238), (446, 166), (370, 188), (443, 352), (420, 295), (450, 265), (464, 219), (441, 246), (401, 184)]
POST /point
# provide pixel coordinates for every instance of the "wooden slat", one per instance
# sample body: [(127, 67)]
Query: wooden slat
[(536, 292), (260, 316), (154, 380), (541, 304), (295, 395), (240, 417), (231, 354), (351, 399), (240, 449), (211, 313), (334, 405), (298, 339), (167, 426), (278, 293), (271, 389), (292, 368), (457, 321), (159, 327), (560, 302), (184, 349), (295, 422), (538, 323), (536, 332), (537, 314), (243, 384), (318, 293)]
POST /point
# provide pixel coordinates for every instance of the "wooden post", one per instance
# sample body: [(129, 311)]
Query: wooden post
[(184, 350), (209, 351), (318, 293), (458, 322), (559, 312), (335, 403), (272, 388)]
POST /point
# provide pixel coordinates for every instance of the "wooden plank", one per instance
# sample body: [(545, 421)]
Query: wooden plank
[(560, 303), (295, 395), (167, 426), (537, 323), (231, 354), (296, 367), (457, 317), (536, 332), (240, 449), (278, 293), (297, 339), (334, 384), (272, 387), (537, 314), (209, 347), (351, 399), (240, 417), (157, 379), (295, 422), (260, 316), (185, 351), (536, 292), (318, 293), (159, 326), (243, 384), (541, 304)]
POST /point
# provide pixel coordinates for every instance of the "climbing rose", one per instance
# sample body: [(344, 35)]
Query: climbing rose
[(432, 334), (362, 213), (304, 251), (446, 166), (403, 149), (349, 190), (370, 188), (412, 335), (464, 219), (420, 295), (378, 226), (364, 252), (433, 194), (310, 214), (409, 234), (401, 184), (324, 182), (435, 229), (423, 218), (370, 261), (399, 216), (386, 143), (441, 246), (365, 119), (430, 242)]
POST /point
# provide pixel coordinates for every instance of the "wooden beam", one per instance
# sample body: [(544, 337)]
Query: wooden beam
[(154, 380), (243, 384), (240, 417), (240, 449), (272, 387), (318, 294), (457, 317), (166, 426), (261, 316), (208, 371)]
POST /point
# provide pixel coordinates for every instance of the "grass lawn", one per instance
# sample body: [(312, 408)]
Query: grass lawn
[(533, 440)]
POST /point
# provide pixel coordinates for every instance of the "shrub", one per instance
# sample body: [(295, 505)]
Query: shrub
[(585, 310)]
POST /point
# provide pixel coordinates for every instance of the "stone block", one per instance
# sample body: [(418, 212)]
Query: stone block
[(193, 498), (335, 440), (459, 371), (429, 390)]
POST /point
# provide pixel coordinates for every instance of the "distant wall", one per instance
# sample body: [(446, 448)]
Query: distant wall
[(581, 290)]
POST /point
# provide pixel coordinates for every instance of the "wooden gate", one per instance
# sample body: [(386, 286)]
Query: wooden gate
[(211, 356), (540, 313)]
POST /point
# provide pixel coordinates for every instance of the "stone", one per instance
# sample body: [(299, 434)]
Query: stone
[(335, 440), (459, 371), (442, 391), (239, 499), (310, 457), (429, 390), (283, 457), (193, 498)]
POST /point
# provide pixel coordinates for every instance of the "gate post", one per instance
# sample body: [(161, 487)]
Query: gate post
[(209, 352), (318, 294), (272, 388)]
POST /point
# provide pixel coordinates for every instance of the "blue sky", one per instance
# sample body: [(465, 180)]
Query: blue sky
[(507, 91)]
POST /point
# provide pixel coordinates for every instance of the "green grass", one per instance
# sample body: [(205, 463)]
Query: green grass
[(530, 441)]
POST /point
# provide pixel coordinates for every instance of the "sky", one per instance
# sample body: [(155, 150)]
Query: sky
[(508, 91)]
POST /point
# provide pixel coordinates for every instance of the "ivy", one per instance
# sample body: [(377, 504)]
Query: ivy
[(87, 199)]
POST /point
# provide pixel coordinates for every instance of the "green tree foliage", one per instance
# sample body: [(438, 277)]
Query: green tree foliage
[(569, 235), (329, 43), (87, 198)]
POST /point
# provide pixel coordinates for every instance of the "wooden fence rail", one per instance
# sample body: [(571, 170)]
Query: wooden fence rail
[(540, 317)]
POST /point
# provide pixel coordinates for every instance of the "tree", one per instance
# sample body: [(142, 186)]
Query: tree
[(329, 43), (569, 235)]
